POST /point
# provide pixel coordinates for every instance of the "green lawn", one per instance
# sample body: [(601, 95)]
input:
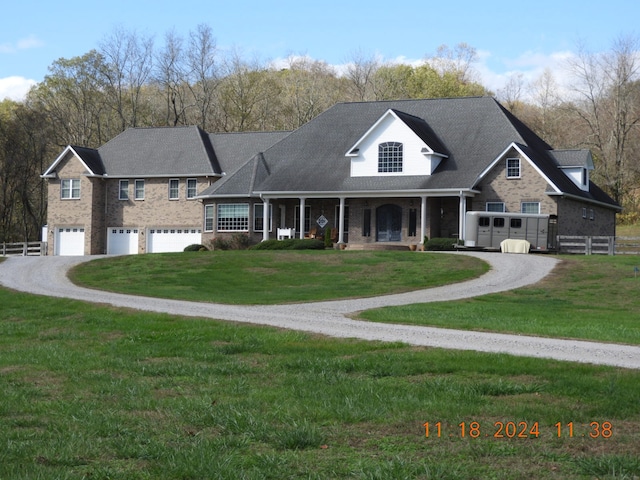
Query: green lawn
[(594, 298), (273, 277), (88, 391)]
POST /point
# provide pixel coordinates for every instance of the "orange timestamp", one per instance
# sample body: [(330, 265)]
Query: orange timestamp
[(514, 429)]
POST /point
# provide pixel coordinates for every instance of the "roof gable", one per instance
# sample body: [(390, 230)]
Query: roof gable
[(389, 121), (409, 135), (525, 154), (88, 157)]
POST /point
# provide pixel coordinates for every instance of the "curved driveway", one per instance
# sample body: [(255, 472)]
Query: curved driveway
[(47, 276)]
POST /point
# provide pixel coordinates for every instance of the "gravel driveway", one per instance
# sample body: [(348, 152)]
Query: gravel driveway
[(47, 276)]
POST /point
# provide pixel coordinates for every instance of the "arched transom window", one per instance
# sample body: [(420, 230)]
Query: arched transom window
[(389, 157)]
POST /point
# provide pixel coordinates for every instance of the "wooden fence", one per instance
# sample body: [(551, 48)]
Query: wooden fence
[(598, 245), (24, 249)]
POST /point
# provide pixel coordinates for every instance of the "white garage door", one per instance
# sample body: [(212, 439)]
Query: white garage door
[(122, 241), (172, 239), (69, 241)]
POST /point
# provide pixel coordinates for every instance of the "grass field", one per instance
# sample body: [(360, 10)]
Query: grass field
[(593, 298), (273, 277), (88, 391)]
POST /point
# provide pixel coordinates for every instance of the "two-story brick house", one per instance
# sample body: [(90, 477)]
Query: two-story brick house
[(138, 192), (374, 172)]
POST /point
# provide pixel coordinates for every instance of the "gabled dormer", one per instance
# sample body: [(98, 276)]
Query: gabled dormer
[(397, 144), (575, 164)]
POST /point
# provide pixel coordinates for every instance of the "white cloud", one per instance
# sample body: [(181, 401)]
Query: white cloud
[(15, 88), (496, 72), (23, 44), (30, 42)]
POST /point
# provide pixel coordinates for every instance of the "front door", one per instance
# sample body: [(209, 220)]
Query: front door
[(389, 223)]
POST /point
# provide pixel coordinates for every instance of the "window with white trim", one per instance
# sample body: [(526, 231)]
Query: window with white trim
[(139, 189), (192, 187), (495, 207), (530, 207), (174, 189), (390, 157), (70, 188), (123, 190), (258, 217), (307, 218), (513, 168), (208, 218), (233, 217)]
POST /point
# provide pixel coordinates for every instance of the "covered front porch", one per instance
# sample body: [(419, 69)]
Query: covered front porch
[(368, 221)]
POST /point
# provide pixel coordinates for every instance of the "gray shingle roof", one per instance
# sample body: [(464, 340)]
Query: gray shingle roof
[(573, 158), (165, 151), (472, 131), (91, 158)]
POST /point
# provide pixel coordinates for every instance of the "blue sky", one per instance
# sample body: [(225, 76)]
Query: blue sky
[(509, 36)]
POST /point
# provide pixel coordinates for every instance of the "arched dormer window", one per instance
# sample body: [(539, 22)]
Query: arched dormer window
[(390, 157)]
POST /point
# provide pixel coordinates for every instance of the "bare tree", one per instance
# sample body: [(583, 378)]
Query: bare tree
[(172, 80), (458, 60), (361, 71), (308, 87), (608, 105), (129, 62), (511, 94), (203, 74)]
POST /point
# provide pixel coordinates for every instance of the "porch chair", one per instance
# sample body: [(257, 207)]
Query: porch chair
[(313, 233)]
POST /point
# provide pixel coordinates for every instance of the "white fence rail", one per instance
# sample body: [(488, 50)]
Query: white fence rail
[(598, 245), (23, 248)]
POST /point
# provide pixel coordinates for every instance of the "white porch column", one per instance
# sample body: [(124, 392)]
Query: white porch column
[(341, 220), (265, 219), (423, 218), (463, 211), (302, 208)]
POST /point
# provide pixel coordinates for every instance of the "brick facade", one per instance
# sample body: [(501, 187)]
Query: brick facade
[(99, 207), (529, 187)]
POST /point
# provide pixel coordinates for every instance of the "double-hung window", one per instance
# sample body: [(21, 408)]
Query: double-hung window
[(70, 188), (192, 187), (123, 190), (513, 168), (530, 207), (495, 207), (174, 189), (208, 218), (139, 189), (233, 217), (390, 157), (258, 217)]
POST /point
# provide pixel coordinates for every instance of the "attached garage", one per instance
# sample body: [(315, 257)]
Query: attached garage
[(122, 241), (69, 241), (172, 239)]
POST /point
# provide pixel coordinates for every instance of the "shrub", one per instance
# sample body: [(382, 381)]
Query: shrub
[(327, 238), (220, 244), (440, 244), (290, 244), (239, 241), (195, 247)]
